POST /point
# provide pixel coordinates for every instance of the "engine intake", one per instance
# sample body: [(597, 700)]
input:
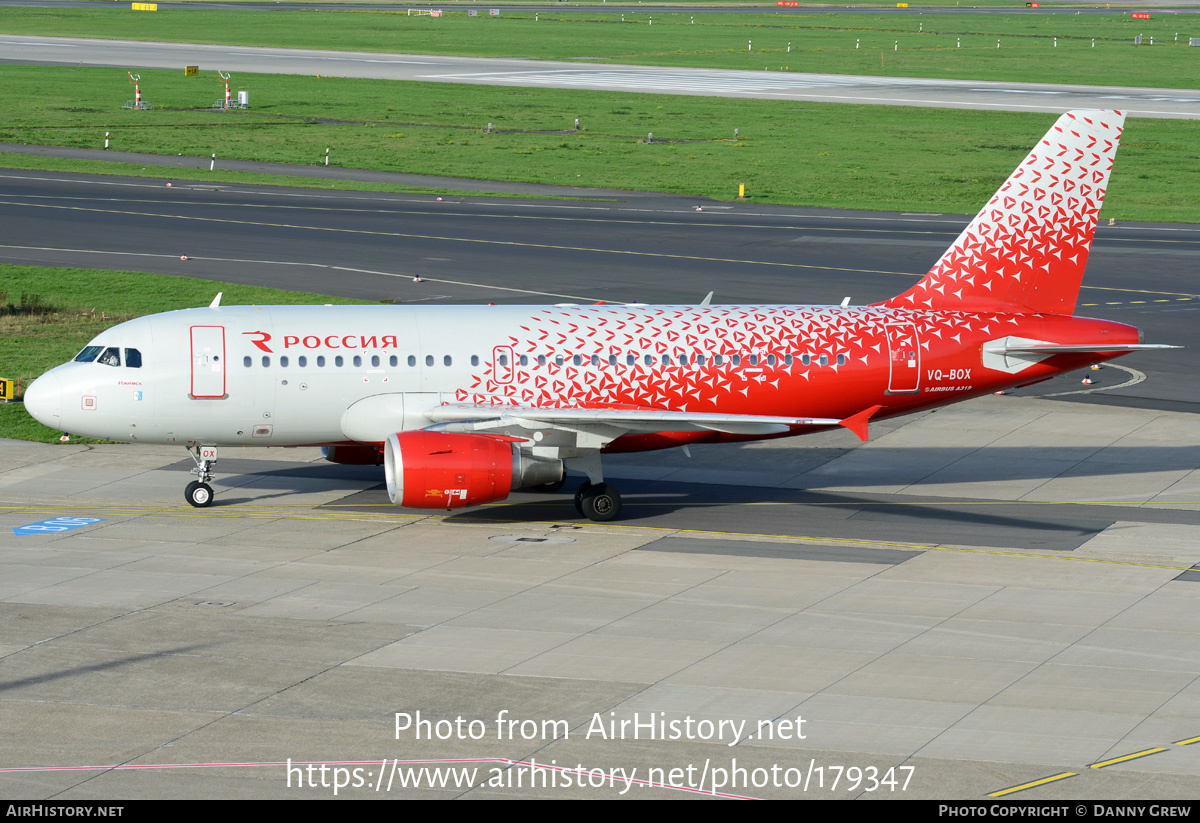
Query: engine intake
[(445, 470)]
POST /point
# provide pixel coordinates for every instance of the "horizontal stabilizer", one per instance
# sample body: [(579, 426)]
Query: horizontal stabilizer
[(1077, 348)]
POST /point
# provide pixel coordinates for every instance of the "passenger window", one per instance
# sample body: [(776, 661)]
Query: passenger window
[(736, 360), (133, 359), (754, 360), (770, 360), (699, 360), (375, 361), (787, 360), (88, 354), (302, 361), (474, 360), (666, 359), (247, 361), (320, 361), (283, 362), (683, 359), (266, 361), (393, 361), (541, 359), (110, 357), (357, 361), (523, 360), (612, 360), (841, 359), (446, 361), (503, 360), (412, 360), (429, 360), (718, 359), (576, 360), (648, 360), (338, 361), (824, 361), (558, 359), (630, 359), (805, 359)]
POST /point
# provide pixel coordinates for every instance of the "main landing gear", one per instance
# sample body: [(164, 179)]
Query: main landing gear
[(598, 501), (198, 492)]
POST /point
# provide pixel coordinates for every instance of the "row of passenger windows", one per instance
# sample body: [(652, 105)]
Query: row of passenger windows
[(559, 360)]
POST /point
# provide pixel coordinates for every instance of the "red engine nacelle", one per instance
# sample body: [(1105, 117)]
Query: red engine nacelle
[(353, 455), (443, 470)]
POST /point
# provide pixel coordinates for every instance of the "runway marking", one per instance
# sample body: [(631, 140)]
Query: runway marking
[(275, 513), (1135, 378), (510, 243), (407, 275), (1098, 765), (952, 231), (958, 222), (784, 85), (1032, 784), (1125, 758)]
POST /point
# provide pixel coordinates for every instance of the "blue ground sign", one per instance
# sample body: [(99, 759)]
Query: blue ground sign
[(57, 524)]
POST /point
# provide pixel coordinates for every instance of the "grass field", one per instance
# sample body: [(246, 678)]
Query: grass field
[(942, 45), (82, 303), (838, 156)]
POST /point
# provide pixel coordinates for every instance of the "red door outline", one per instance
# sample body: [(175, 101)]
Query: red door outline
[(208, 361), (904, 359)]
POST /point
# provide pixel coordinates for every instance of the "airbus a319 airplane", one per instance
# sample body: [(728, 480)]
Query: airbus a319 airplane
[(462, 404)]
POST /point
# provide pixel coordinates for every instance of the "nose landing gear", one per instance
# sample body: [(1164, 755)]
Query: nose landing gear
[(198, 493)]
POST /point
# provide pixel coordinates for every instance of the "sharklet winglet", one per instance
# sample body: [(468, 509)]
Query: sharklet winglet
[(857, 423)]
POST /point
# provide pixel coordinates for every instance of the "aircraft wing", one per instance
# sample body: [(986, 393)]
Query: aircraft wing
[(640, 420)]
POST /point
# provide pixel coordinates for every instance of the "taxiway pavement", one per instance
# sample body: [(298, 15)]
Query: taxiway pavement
[(997, 594)]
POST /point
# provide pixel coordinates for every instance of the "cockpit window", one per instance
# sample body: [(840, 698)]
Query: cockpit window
[(110, 356), (88, 354), (133, 359)]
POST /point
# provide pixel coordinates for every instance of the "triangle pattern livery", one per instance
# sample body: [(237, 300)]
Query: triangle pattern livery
[(463, 404)]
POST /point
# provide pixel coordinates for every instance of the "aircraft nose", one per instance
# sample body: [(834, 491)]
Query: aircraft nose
[(43, 400)]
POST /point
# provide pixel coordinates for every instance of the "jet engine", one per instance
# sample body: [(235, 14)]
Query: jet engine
[(353, 455), (445, 470)]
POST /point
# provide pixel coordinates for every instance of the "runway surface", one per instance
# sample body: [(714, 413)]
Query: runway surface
[(1035, 97), (650, 249)]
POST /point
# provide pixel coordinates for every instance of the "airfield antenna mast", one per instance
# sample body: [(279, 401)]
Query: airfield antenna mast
[(225, 76), (135, 79)]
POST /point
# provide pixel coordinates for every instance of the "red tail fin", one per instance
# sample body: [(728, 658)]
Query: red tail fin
[(1027, 249)]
